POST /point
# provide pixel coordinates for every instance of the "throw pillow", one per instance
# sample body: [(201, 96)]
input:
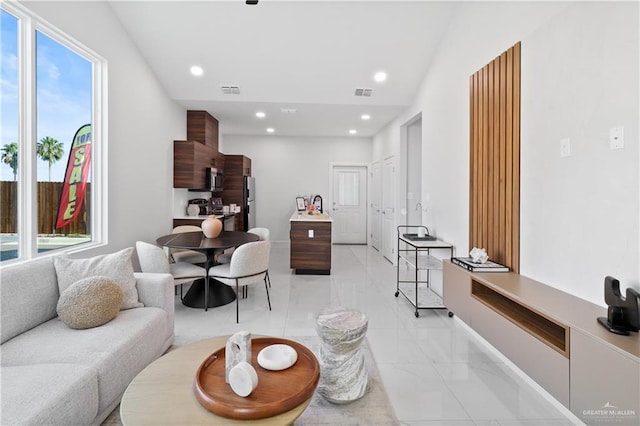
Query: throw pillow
[(116, 266), (90, 302)]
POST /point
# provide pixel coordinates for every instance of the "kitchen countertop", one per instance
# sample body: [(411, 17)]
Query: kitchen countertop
[(305, 217), (204, 216)]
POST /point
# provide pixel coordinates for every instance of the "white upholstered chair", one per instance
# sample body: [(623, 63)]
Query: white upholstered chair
[(184, 255), (262, 233), (153, 259), (249, 265)]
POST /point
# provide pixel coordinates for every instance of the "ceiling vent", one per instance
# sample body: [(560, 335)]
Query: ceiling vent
[(288, 110), (230, 90), (363, 92)]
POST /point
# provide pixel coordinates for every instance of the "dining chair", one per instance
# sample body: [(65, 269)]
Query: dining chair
[(249, 265), (263, 234), (184, 255), (153, 259)]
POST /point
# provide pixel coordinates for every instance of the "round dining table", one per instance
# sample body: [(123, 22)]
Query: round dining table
[(207, 292)]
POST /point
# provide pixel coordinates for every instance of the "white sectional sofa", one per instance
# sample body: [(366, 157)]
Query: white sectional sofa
[(52, 374)]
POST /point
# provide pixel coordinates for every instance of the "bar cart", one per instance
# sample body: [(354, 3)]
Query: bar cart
[(414, 253)]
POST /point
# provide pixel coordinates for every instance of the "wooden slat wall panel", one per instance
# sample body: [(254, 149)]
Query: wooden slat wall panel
[(494, 216)]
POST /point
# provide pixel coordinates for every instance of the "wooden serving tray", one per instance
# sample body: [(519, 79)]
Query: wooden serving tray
[(276, 393)]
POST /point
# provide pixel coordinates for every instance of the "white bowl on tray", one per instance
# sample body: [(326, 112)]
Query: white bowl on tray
[(277, 357)]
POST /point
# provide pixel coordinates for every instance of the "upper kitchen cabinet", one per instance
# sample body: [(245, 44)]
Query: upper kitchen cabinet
[(202, 127), (190, 160)]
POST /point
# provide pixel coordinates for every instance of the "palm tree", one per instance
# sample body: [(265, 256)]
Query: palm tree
[(10, 157), (50, 150)]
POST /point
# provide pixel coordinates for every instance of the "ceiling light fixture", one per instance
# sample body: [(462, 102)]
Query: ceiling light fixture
[(353, 131), (196, 70), (380, 76), (260, 114), (365, 116), (251, 2), (270, 130)]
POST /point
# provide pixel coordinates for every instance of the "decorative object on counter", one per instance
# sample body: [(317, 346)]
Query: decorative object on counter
[(478, 255), (193, 210), (623, 313), (300, 204), (344, 376), (243, 379), (225, 209), (237, 349), (211, 227), (277, 357)]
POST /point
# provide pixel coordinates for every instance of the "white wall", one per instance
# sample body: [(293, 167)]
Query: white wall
[(598, 37), (285, 167), (580, 216), (143, 123)]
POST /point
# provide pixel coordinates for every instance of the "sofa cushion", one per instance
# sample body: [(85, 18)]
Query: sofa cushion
[(90, 302), (116, 266), (29, 296), (118, 350), (49, 394)]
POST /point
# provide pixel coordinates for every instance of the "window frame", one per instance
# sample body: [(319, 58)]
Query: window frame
[(27, 202)]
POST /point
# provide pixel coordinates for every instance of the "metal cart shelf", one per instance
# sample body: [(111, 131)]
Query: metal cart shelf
[(414, 252)]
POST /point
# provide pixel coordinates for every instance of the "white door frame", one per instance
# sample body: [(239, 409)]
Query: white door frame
[(375, 217), (349, 164), (389, 235)]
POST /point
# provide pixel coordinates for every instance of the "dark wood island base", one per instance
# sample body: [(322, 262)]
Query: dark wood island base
[(310, 237)]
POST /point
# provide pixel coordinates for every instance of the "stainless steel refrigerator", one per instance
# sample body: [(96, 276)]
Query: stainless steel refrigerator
[(249, 207)]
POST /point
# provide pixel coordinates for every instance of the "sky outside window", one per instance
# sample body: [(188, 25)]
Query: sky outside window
[(8, 86), (63, 95)]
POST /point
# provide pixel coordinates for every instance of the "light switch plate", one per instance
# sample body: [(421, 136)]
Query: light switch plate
[(310, 233), (565, 147), (616, 137)]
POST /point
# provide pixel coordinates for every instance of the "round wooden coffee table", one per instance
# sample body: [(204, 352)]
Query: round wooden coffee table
[(163, 392)]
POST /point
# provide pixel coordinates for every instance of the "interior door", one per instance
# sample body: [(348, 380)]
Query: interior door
[(376, 205), (388, 208), (349, 204)]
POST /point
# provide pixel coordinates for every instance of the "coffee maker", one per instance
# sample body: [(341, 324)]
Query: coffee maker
[(202, 204)]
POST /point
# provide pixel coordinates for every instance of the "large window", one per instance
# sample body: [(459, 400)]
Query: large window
[(51, 142)]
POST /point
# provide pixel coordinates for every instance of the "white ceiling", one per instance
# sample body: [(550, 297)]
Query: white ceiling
[(306, 55)]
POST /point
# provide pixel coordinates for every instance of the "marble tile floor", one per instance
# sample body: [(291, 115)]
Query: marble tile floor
[(435, 369)]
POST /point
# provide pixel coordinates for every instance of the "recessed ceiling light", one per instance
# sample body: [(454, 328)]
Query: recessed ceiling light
[(365, 116), (353, 131), (270, 130), (260, 114), (380, 76), (196, 70)]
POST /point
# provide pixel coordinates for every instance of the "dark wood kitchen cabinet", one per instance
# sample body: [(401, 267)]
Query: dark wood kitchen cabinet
[(203, 127), (190, 159)]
